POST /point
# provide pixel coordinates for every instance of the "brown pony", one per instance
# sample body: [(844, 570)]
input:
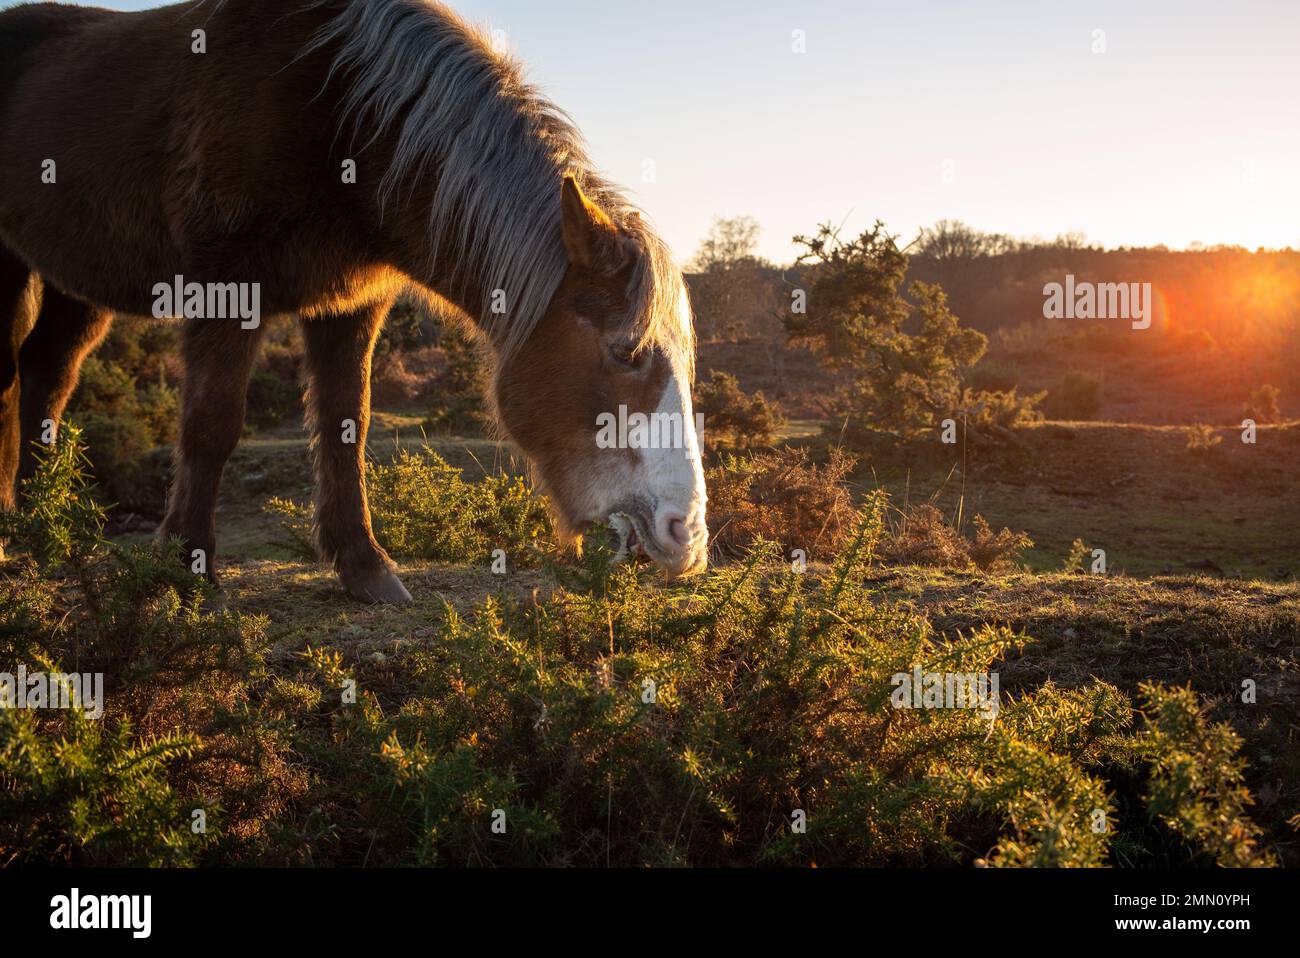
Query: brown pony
[(221, 160)]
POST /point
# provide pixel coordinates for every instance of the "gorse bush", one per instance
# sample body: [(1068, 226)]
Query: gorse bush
[(1195, 783), (986, 412), (633, 725), (749, 716), (734, 420), (423, 508), (857, 322), (906, 356), (91, 792), (922, 535), (785, 498), (1078, 559), (781, 497), (77, 790), (1201, 439), (121, 421), (459, 389)]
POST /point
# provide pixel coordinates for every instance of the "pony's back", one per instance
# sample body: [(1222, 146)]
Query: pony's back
[(23, 30)]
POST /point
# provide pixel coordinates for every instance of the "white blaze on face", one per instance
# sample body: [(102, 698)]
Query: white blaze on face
[(674, 477), (674, 472), (666, 474)]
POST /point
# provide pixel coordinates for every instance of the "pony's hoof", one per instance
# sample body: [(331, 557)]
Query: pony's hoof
[(379, 588)]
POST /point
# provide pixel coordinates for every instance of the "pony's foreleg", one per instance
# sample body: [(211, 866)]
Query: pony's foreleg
[(14, 280), (218, 357), (50, 363), (339, 349)]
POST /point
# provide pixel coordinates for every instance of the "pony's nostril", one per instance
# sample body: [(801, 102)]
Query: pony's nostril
[(678, 532)]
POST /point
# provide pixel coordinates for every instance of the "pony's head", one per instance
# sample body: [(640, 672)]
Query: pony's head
[(586, 311), (598, 395)]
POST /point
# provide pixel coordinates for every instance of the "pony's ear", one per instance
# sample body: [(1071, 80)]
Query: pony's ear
[(590, 238)]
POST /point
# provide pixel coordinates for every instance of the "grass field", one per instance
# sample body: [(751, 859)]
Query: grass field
[(1135, 491)]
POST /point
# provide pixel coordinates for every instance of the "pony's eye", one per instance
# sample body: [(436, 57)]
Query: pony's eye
[(626, 354)]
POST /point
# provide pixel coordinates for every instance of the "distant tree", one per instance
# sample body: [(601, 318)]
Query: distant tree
[(732, 289), (949, 240), (907, 356), (729, 244), (1071, 241)]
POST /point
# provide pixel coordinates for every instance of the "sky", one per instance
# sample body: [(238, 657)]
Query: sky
[(1135, 123)]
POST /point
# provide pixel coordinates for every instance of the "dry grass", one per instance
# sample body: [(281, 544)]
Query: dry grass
[(782, 497)]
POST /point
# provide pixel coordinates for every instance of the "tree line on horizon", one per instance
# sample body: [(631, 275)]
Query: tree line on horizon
[(993, 280)]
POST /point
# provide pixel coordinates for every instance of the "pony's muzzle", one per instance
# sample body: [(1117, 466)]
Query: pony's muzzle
[(667, 537), (678, 545)]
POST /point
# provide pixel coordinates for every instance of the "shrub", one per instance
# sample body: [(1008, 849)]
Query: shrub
[(1262, 405), (121, 422), (397, 380), (1076, 560), (1106, 338), (75, 790), (921, 535), (640, 726), (733, 420), (295, 524), (781, 497), (994, 551), (1033, 338), (1077, 398), (271, 400), (785, 499), (1195, 787), (423, 508), (459, 389), (1201, 439), (90, 793), (140, 348), (409, 325), (999, 411)]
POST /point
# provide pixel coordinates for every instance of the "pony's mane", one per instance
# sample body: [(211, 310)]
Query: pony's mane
[(416, 69)]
